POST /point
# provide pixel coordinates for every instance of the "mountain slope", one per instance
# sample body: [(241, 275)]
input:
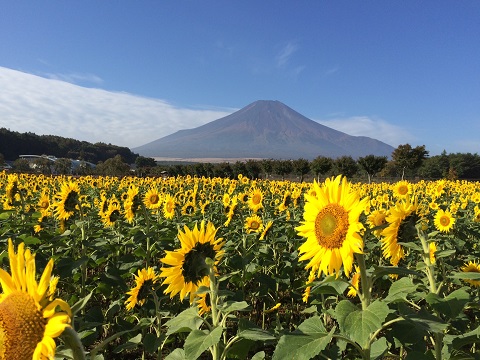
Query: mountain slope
[(263, 129)]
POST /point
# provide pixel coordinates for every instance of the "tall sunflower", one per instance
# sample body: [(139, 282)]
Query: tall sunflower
[(472, 267), (444, 220), (29, 320), (67, 200), (144, 282), (255, 199), (331, 225), (187, 268), (152, 199), (401, 221)]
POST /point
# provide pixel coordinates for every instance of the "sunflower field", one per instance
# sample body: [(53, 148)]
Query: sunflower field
[(213, 268)]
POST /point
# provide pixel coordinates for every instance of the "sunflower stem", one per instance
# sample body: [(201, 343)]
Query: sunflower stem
[(365, 288), (430, 272), (214, 302)]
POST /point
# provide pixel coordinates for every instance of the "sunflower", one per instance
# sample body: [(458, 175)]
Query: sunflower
[(287, 200), (401, 219), (376, 219), (253, 224), (255, 199), (203, 300), (67, 201), (112, 214), (152, 199), (29, 320), (169, 207), (444, 221), (187, 268), (332, 226), (266, 228), (432, 249), (354, 283), (43, 203), (312, 276), (402, 189), (472, 267), (144, 283), (189, 208)]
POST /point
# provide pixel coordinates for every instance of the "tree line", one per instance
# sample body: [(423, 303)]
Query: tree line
[(406, 162), (13, 144)]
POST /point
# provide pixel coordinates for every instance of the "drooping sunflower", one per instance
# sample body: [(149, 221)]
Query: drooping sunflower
[(112, 214), (376, 219), (331, 225), (266, 228), (29, 320), (144, 283), (472, 267), (187, 268), (432, 249), (401, 221), (444, 221), (354, 283), (67, 200), (203, 300)]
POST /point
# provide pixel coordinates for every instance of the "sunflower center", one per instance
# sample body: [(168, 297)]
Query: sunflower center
[(331, 226), (22, 326), (256, 199), (403, 190), (194, 267), (154, 199), (444, 220), (407, 231), (254, 225), (71, 201)]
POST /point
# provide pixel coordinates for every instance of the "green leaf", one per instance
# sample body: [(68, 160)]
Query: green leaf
[(200, 340), (426, 321), (303, 346), (343, 309), (312, 325), (466, 275), (259, 356), (378, 348), (231, 306), (330, 286), (177, 354), (130, 344), (186, 321), (400, 289), (387, 270), (30, 240), (256, 335), (450, 306), (361, 324), (80, 304)]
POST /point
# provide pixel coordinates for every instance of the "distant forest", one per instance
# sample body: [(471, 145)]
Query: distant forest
[(13, 144)]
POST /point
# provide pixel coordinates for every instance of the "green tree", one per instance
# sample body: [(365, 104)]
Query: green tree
[(282, 167), (408, 159), (321, 165), (63, 166), (372, 165), (346, 166), (301, 167), (113, 167), (267, 167), (22, 166), (253, 169)]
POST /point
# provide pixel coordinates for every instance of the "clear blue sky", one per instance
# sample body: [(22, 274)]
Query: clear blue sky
[(413, 66)]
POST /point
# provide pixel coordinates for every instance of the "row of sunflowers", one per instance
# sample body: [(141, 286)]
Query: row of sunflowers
[(187, 268)]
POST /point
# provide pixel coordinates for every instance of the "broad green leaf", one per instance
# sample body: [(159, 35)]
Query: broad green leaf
[(387, 270), (313, 325), (198, 341), (80, 304), (186, 321), (256, 335), (302, 346), (231, 306), (342, 310), (330, 286), (426, 321), (450, 306), (259, 355), (361, 324), (30, 240), (378, 348), (400, 289), (177, 354), (130, 344), (466, 275)]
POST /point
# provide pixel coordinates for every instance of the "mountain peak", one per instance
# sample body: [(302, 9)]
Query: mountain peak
[(263, 129)]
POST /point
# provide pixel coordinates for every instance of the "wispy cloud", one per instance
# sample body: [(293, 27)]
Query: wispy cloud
[(372, 127), (75, 78), (30, 103), (285, 54)]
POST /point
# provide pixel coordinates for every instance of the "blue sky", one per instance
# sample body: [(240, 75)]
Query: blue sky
[(398, 71)]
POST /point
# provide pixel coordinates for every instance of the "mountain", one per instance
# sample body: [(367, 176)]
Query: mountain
[(263, 129)]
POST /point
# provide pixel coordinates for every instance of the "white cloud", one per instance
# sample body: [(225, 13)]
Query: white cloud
[(75, 78), (372, 127), (29, 103), (284, 55)]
